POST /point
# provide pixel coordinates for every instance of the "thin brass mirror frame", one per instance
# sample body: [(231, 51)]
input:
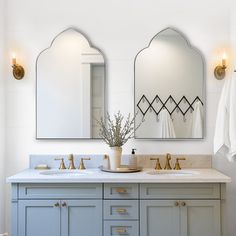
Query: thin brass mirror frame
[(105, 80), (203, 86)]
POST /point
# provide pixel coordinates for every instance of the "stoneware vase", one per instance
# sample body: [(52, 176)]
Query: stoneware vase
[(115, 157)]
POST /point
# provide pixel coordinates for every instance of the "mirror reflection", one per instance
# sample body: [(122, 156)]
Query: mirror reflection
[(169, 88), (70, 88)]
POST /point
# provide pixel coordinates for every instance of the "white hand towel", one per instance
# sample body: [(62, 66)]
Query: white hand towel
[(197, 121), (166, 125), (225, 130)]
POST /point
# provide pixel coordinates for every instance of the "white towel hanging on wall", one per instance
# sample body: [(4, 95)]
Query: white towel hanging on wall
[(197, 121), (225, 129), (166, 125)]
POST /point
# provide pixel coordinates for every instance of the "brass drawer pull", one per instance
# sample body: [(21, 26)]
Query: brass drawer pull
[(57, 204), (183, 204), (121, 190), (121, 210), (121, 231)]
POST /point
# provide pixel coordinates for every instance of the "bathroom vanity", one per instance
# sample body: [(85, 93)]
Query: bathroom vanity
[(117, 209), (94, 203)]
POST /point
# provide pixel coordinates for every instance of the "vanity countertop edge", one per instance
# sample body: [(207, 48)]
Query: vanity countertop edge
[(97, 176)]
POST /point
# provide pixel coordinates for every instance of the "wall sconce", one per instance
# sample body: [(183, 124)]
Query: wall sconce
[(219, 71), (18, 71)]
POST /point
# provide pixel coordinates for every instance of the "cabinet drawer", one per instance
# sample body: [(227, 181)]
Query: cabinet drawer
[(62, 191), (121, 191), (180, 191), (114, 228), (121, 210)]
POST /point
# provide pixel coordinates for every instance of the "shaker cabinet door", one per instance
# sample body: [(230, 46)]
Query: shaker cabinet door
[(159, 218), (200, 217), (39, 217), (81, 217)]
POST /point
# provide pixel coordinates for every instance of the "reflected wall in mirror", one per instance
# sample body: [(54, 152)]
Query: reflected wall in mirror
[(169, 89), (70, 86)]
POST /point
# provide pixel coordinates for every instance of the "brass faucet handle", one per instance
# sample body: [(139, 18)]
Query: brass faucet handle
[(71, 159), (81, 165), (177, 165), (62, 164), (158, 165)]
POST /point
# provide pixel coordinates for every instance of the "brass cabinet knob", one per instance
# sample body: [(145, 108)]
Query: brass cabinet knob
[(64, 204), (121, 230), (57, 204), (176, 203), (121, 190), (183, 203), (121, 210)]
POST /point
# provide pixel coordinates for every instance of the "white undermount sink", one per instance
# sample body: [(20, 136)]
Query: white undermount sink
[(66, 172), (173, 172)]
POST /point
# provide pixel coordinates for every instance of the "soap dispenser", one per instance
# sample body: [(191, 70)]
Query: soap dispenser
[(133, 160)]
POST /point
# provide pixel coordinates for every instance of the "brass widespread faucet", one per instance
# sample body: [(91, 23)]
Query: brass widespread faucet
[(71, 159), (168, 165), (72, 164), (168, 158)]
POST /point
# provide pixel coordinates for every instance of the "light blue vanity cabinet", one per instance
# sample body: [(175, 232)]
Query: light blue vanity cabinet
[(121, 209), (191, 210), (159, 217), (112, 209), (81, 217), (180, 218), (64, 217), (57, 210), (38, 217), (200, 217)]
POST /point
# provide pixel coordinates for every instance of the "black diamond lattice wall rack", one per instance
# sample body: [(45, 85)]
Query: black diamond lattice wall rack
[(182, 106)]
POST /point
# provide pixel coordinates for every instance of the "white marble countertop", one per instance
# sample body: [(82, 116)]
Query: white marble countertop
[(97, 176)]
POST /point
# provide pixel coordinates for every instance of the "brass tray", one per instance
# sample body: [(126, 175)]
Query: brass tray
[(122, 169)]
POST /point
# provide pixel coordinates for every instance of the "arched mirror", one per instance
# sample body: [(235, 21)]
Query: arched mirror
[(169, 89), (70, 86)]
